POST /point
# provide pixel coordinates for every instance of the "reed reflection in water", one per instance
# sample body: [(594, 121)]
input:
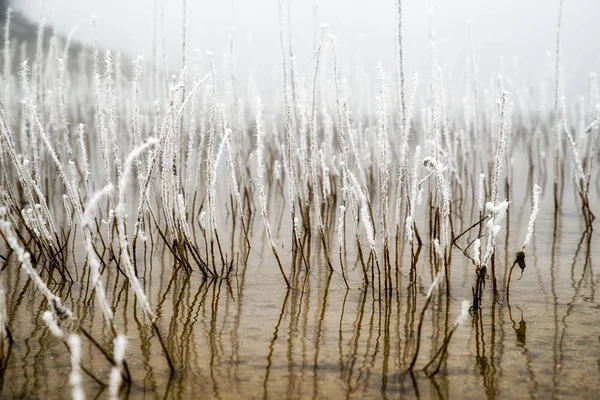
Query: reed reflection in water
[(249, 336)]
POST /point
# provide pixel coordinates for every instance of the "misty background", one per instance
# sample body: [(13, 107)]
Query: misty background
[(508, 35)]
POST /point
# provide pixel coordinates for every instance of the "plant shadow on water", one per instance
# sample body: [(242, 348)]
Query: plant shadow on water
[(161, 239)]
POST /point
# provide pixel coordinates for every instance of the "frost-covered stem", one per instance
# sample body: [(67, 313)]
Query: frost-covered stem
[(75, 377), (63, 109), (112, 111), (500, 150), (94, 261), (214, 174), (135, 123), (103, 136), (410, 220), (288, 118), (534, 212), (192, 132), (33, 137), (557, 148), (403, 160), (123, 241), (481, 192), (168, 172), (260, 170), (67, 210), (477, 253), (343, 127), (236, 190), (382, 140), (209, 149), (313, 159), (401, 67), (340, 102), (314, 154), (48, 318), (84, 161), (580, 180)]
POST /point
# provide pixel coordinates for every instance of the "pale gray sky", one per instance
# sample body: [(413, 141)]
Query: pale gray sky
[(510, 28)]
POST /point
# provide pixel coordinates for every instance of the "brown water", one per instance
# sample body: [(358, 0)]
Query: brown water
[(250, 337)]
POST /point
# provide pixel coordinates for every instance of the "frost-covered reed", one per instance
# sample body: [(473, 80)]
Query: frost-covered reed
[(75, 377), (260, 166)]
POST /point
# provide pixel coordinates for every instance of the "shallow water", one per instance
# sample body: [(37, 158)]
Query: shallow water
[(250, 337)]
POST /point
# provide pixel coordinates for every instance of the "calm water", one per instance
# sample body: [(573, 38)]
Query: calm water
[(250, 337)]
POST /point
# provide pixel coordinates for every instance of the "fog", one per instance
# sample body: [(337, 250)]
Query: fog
[(505, 33)]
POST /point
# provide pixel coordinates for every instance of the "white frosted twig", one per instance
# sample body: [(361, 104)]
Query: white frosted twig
[(214, 175), (413, 195), (403, 173), (261, 184), (84, 160), (297, 226), (364, 210), (232, 177), (182, 216), (67, 209), (120, 215), (313, 136), (112, 104), (75, 377), (481, 192), (94, 261), (135, 124), (534, 212), (500, 150), (260, 170), (48, 318), (382, 142), (119, 346), (477, 252), (341, 227)]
